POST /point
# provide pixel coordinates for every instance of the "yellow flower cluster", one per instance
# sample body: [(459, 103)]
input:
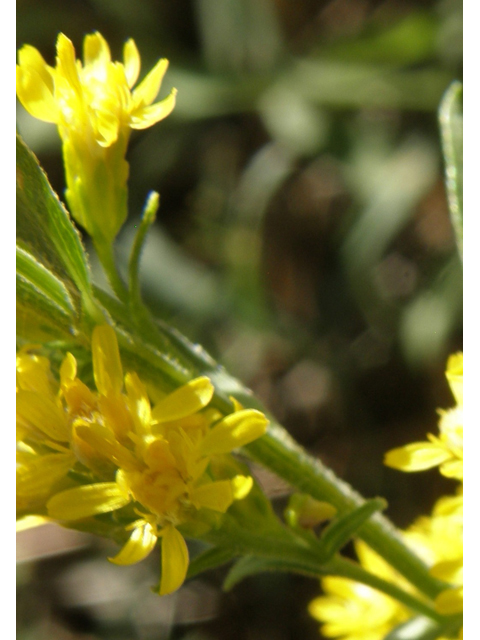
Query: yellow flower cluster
[(445, 527), (353, 611), (94, 107), (445, 451), (83, 453)]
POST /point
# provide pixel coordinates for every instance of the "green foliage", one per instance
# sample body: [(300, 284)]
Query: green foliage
[(53, 278), (451, 124), (343, 528), (44, 226), (44, 306)]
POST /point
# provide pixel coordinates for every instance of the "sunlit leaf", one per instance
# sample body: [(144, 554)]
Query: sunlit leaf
[(341, 530), (451, 124), (45, 308), (45, 230)]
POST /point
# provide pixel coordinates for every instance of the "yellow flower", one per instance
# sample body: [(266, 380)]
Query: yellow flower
[(445, 451), (84, 453), (94, 107), (353, 611), (439, 540)]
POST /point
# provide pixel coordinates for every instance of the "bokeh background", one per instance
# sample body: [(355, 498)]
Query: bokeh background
[(303, 239)]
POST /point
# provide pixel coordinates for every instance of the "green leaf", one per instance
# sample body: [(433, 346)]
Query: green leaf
[(342, 529), (29, 269), (37, 317), (451, 125), (44, 228), (209, 559), (45, 309)]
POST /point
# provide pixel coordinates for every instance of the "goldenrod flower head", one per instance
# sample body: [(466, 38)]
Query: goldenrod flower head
[(445, 451), (439, 541), (350, 610), (94, 107), (353, 611), (154, 463)]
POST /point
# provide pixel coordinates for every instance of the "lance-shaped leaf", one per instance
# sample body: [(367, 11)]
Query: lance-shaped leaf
[(45, 308), (342, 529), (451, 125), (45, 230)]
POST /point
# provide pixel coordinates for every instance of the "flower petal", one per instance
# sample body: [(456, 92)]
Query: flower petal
[(140, 544), (30, 57), (103, 441), (145, 117), (452, 469), (138, 403), (174, 560), (36, 95), (214, 495), (36, 476), (96, 51), (68, 370), (33, 373), (107, 365), (66, 63), (148, 89), (87, 500), (449, 570), (241, 486), (106, 126), (454, 376), (131, 60), (450, 601), (42, 413), (184, 401), (416, 456), (235, 430), (29, 522)]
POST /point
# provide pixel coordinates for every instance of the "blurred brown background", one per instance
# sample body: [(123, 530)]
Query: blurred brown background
[(303, 239)]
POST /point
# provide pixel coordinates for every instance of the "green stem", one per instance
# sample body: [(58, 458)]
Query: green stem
[(293, 553), (107, 260), (280, 453)]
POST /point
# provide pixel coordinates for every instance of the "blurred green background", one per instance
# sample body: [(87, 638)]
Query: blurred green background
[(303, 239)]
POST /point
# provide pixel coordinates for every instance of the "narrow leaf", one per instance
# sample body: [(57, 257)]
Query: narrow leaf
[(44, 281), (38, 317), (342, 529), (44, 227), (451, 125), (45, 309)]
